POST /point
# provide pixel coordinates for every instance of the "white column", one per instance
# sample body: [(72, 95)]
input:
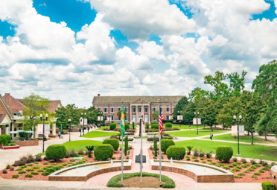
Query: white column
[(54, 129)]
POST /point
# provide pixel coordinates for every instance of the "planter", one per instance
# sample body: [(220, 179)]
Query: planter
[(9, 147), (33, 142)]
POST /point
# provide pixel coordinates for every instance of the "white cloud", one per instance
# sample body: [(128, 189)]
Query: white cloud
[(139, 19)]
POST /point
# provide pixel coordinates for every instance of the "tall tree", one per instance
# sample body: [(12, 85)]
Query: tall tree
[(217, 82), (69, 111), (180, 106), (236, 82)]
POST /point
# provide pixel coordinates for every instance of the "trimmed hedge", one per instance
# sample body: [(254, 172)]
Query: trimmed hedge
[(114, 142), (55, 152), (165, 143), (112, 126), (103, 152), (224, 154), (168, 125), (154, 126), (176, 152), (115, 181), (5, 140), (267, 185)]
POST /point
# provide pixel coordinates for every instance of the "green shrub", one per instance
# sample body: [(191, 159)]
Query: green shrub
[(268, 186), (103, 152), (155, 146), (5, 140), (55, 152), (154, 125), (113, 142), (112, 126), (126, 146), (168, 125), (176, 152), (147, 126), (224, 154), (89, 150), (165, 143)]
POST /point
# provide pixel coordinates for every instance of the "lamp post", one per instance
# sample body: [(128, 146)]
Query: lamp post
[(196, 116), (83, 118), (43, 119), (69, 130), (237, 120)]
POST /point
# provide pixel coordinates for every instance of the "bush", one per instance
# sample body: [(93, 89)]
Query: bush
[(165, 143), (147, 126), (24, 135), (155, 147), (224, 154), (127, 126), (168, 125), (176, 152), (113, 142), (112, 126), (103, 152), (154, 126), (268, 186), (126, 146), (5, 140), (89, 150), (189, 149), (55, 152), (38, 158)]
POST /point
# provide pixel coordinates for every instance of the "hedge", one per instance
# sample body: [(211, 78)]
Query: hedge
[(103, 152), (154, 126), (113, 141), (168, 125), (5, 140), (165, 143), (224, 154), (176, 152), (127, 126), (267, 185), (55, 152), (112, 126)]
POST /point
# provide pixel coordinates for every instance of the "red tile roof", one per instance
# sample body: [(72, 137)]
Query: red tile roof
[(54, 105), (14, 105)]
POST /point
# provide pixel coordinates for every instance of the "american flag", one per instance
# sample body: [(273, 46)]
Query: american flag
[(161, 121)]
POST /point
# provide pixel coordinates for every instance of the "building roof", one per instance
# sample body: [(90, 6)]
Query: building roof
[(4, 109), (14, 105), (54, 105), (134, 99)]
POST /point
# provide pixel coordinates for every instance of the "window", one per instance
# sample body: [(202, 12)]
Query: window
[(168, 109), (145, 109), (105, 109), (112, 110), (139, 109), (154, 109), (167, 117), (134, 109), (112, 117)]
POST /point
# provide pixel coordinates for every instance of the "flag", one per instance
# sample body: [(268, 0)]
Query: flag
[(122, 122), (161, 121)]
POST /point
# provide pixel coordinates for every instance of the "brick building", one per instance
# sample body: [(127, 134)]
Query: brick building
[(136, 106)]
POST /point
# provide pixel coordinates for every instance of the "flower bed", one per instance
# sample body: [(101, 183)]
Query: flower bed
[(243, 171), (9, 147)]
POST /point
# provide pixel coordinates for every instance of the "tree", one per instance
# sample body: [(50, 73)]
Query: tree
[(180, 106), (236, 82), (265, 88), (92, 114), (64, 113), (34, 106), (188, 113), (209, 112), (155, 115)]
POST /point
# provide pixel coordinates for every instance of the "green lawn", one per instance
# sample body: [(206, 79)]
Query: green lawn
[(248, 151), (99, 133), (192, 133), (186, 126), (229, 137), (80, 144)]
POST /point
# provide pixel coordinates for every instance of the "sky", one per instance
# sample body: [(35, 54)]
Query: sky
[(74, 49)]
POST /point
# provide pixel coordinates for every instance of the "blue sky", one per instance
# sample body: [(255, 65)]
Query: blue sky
[(129, 48)]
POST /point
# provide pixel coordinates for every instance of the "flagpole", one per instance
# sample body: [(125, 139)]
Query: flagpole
[(160, 148), (122, 126)]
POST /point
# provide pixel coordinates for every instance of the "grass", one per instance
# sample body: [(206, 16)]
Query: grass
[(247, 151), (115, 181), (99, 133), (81, 144), (186, 126), (192, 133), (229, 137)]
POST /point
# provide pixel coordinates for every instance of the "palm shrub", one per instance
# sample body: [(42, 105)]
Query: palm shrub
[(168, 125), (165, 143), (103, 152), (224, 154), (112, 126), (113, 142), (89, 150), (55, 152), (155, 146), (176, 152), (189, 149)]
